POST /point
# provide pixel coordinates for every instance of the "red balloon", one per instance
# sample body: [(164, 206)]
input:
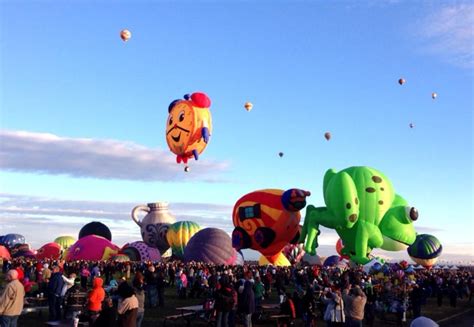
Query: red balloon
[(339, 247)]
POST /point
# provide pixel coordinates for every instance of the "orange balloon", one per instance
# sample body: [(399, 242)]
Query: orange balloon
[(248, 106)]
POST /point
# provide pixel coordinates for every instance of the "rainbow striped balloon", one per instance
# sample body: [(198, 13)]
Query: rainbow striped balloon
[(179, 234)]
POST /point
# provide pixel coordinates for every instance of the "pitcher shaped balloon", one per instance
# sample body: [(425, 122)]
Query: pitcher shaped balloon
[(154, 225)]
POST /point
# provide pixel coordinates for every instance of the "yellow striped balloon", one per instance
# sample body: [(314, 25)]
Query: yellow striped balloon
[(179, 234)]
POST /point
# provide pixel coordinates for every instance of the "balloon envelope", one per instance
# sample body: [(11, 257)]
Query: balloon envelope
[(210, 245), (92, 247), (248, 106), (10, 240), (331, 261), (49, 251), (434, 95), (327, 136), (95, 228), (425, 250), (145, 252), (401, 81), (4, 253), (125, 35), (179, 234), (65, 241)]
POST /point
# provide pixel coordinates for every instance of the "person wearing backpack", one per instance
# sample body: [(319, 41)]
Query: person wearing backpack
[(225, 301)]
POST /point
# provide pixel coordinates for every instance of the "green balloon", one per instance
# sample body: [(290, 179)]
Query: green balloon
[(361, 205), (65, 241)]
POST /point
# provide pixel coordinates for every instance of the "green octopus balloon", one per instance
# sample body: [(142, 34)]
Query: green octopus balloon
[(361, 205)]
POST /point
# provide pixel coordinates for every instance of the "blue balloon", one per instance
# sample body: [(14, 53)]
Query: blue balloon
[(10, 240), (331, 261), (377, 267)]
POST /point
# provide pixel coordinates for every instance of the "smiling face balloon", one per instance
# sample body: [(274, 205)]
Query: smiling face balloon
[(189, 126)]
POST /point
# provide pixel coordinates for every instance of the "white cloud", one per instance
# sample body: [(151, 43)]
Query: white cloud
[(449, 33), (103, 159)]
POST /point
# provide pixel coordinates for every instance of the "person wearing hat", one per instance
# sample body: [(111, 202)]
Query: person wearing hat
[(11, 300)]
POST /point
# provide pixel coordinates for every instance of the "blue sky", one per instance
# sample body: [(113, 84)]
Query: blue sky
[(308, 67)]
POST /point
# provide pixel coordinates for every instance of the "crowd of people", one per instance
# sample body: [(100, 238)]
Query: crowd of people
[(119, 294)]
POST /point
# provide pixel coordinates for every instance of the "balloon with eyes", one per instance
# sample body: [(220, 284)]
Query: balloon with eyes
[(363, 208), (189, 126), (267, 220)]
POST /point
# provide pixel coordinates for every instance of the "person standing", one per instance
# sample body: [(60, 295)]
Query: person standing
[(11, 300), (55, 290), (128, 306), (140, 294), (247, 303), (355, 300), (95, 298)]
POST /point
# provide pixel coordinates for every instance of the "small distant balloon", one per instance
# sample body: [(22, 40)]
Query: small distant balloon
[(434, 95), (248, 106), (280, 154), (401, 81), (327, 136), (125, 35), (412, 125), (187, 169)]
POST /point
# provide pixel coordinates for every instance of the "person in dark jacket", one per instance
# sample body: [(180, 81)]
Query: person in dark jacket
[(108, 315), (246, 304), (224, 302), (55, 287), (160, 285)]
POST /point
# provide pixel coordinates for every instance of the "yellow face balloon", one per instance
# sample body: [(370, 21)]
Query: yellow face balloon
[(189, 126)]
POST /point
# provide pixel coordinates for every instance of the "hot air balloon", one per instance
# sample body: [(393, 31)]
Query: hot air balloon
[(179, 235), (248, 106), (267, 220), (95, 228), (425, 250), (4, 253), (331, 261), (280, 261), (91, 247), (434, 95), (313, 259), (140, 251), (401, 81), (339, 247), (65, 241), (19, 248), (327, 136), (189, 126), (280, 154), (210, 245), (10, 240), (125, 35), (187, 169), (412, 125), (49, 251)]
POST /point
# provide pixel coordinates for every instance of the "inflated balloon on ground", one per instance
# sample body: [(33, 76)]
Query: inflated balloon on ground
[(92, 247), (425, 250), (140, 251), (267, 220), (179, 234), (65, 241), (95, 228), (4, 253), (210, 245), (10, 240), (49, 251)]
